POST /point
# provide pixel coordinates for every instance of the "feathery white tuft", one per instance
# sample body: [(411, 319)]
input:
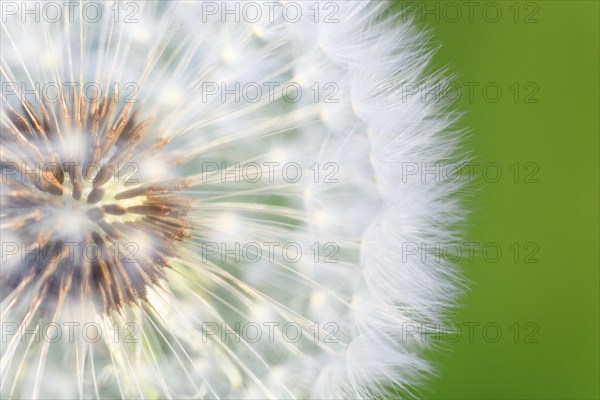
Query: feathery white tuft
[(357, 123)]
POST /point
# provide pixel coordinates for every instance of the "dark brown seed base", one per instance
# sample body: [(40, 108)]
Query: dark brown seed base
[(110, 135)]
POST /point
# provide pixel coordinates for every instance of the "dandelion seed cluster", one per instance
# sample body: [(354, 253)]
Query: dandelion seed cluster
[(122, 140)]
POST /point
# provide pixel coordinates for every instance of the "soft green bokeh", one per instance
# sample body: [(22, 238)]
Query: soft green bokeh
[(559, 55)]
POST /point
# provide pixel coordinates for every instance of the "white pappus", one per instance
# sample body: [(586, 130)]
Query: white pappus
[(210, 200)]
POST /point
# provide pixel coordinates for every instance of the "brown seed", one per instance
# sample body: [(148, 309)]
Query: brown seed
[(95, 214), (95, 195), (114, 209)]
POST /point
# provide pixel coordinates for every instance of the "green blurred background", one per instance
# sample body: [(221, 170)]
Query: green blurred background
[(544, 56)]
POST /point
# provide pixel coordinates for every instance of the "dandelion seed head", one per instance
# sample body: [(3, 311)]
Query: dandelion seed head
[(224, 202)]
